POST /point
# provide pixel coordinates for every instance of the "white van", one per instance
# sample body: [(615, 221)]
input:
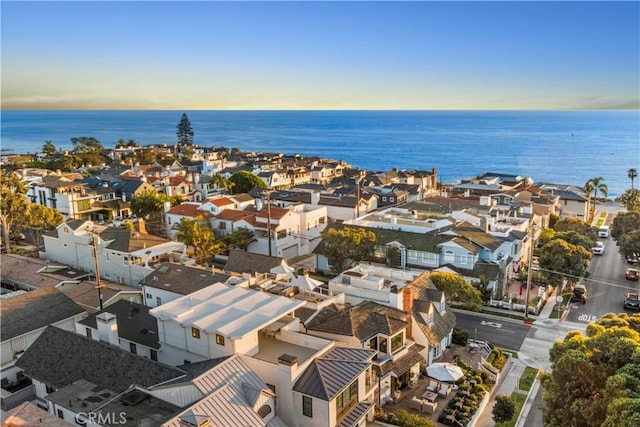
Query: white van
[(603, 231)]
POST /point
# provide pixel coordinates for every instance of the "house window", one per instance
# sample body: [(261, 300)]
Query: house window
[(449, 256), (412, 254), (384, 198), (322, 220), (463, 259), (60, 413), (219, 339), (347, 398), (383, 345), (307, 406), (195, 332), (154, 355), (397, 341), (264, 411), (149, 296), (373, 343), (132, 348), (87, 331), (158, 301)]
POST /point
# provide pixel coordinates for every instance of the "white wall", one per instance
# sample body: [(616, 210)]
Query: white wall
[(155, 293)]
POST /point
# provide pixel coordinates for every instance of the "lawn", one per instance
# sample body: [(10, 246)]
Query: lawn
[(518, 400), (527, 378), (555, 314)]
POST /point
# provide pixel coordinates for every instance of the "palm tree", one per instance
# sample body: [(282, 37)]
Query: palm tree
[(632, 174), (597, 184)]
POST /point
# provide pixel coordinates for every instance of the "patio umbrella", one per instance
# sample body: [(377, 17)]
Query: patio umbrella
[(446, 372)]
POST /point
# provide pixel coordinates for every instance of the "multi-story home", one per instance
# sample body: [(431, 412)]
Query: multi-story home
[(222, 320), (123, 256), (169, 281), (378, 327), (275, 179), (126, 325), (22, 320), (432, 321), (72, 199), (573, 202)]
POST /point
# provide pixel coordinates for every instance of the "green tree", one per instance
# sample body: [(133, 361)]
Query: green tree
[(456, 288), (482, 286), (121, 143), (632, 174), (553, 219), (630, 199), (67, 163), (595, 377), (504, 408), (629, 243), (86, 145), (39, 219), (559, 258), (184, 131), (219, 181), (48, 148), (575, 238), (244, 181), (347, 246), (239, 238), (147, 203), (198, 234), (625, 223), (545, 236), (597, 184), (13, 204), (577, 225)]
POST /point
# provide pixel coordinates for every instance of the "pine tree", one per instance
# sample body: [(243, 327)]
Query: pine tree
[(185, 132)]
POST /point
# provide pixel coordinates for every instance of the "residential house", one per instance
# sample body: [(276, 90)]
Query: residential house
[(73, 199), (123, 256), (384, 329), (60, 358), (188, 210), (169, 281), (343, 207), (129, 189), (22, 320), (410, 291), (124, 324), (573, 201), (28, 414)]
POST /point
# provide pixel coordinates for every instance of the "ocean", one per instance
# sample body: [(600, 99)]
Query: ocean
[(564, 147)]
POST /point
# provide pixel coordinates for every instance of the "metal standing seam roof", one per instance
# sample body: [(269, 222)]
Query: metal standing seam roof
[(232, 311), (326, 378)]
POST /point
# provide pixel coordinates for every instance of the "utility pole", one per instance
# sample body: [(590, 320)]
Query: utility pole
[(269, 217), (95, 259), (526, 304)]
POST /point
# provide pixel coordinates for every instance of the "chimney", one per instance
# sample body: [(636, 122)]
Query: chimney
[(407, 301), (140, 227), (315, 198), (108, 328), (287, 360)]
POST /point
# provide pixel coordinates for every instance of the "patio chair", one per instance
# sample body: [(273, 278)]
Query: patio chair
[(444, 390), (416, 403), (429, 407), (433, 386)]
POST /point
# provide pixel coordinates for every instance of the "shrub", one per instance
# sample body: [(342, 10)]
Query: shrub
[(407, 419), (504, 408), (459, 336)]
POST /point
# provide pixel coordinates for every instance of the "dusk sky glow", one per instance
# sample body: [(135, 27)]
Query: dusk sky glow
[(320, 55)]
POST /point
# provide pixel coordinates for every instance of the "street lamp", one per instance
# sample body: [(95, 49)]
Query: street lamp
[(531, 243)]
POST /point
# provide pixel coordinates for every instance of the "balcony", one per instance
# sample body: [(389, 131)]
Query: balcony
[(16, 392)]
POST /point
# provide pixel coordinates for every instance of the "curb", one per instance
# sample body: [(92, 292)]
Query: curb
[(526, 406)]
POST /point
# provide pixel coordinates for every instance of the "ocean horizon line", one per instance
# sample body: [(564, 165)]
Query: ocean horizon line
[(497, 110)]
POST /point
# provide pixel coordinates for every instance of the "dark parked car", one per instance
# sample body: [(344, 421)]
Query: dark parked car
[(633, 258), (579, 296), (631, 302)]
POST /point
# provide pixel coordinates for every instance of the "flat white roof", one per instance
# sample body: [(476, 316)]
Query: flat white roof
[(231, 311)]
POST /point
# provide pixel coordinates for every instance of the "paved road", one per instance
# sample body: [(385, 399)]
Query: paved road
[(606, 285), (502, 332)]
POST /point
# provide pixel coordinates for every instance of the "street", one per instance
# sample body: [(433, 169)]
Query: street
[(502, 332), (606, 284)]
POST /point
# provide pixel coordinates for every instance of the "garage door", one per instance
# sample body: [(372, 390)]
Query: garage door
[(290, 252)]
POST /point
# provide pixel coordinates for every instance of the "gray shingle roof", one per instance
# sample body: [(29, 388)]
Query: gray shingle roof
[(247, 262), (402, 364), (122, 240), (34, 310), (134, 322), (442, 323), (182, 279), (361, 321), (59, 358)]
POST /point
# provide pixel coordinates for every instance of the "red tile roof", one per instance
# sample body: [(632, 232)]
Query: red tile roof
[(190, 210)]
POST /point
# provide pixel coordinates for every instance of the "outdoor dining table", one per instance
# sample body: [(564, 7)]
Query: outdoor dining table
[(430, 396)]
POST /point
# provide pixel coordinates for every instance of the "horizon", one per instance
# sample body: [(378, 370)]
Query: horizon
[(320, 56)]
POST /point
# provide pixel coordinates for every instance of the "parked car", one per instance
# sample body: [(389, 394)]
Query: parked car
[(598, 249), (632, 274), (633, 258), (580, 293), (631, 302)]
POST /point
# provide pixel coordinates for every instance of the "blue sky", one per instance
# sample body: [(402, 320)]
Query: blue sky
[(320, 55)]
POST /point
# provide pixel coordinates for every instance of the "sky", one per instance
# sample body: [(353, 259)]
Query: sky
[(320, 55)]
